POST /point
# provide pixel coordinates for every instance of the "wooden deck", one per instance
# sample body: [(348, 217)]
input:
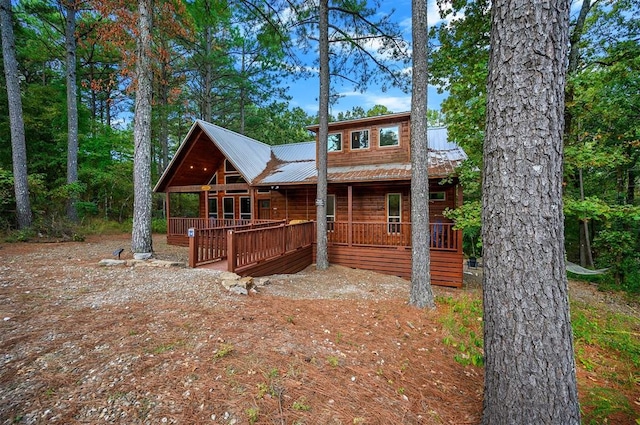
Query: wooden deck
[(271, 248)]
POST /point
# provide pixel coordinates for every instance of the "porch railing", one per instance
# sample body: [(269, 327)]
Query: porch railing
[(255, 245), (180, 225), (443, 236), (207, 245)]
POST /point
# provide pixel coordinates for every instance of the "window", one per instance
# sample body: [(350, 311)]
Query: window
[(360, 139), (235, 179), (437, 196), (264, 190), (334, 142), (229, 168), (394, 212), (227, 208), (389, 136), (331, 212), (245, 208), (213, 207)]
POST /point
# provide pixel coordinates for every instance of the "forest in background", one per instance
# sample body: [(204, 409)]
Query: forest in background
[(228, 63)]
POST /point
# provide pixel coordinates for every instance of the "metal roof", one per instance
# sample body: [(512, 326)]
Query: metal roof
[(247, 155), (261, 164), (295, 152)]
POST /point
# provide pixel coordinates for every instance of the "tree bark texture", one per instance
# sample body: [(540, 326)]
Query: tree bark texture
[(322, 255), (72, 104), (141, 241), (18, 144), (421, 293), (529, 367)]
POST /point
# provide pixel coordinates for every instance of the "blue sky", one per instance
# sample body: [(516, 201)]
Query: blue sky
[(305, 93)]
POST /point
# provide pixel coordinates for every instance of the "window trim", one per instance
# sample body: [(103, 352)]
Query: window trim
[(250, 213), (227, 165), (339, 133), (393, 226), (360, 131), (233, 208), (213, 200), (432, 198), (380, 129), (235, 191)]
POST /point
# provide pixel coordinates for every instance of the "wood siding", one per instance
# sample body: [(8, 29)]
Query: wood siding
[(446, 267), (374, 154)]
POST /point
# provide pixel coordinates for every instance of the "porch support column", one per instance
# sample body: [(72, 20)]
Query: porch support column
[(206, 207), (350, 215), (459, 203), (168, 212)]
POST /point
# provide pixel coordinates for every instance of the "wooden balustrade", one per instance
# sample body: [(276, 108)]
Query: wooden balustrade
[(180, 225), (443, 236), (256, 245)]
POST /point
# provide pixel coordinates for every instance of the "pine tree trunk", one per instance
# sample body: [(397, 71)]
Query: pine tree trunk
[(529, 368), (141, 241), (322, 255), (18, 145), (421, 293), (72, 105)]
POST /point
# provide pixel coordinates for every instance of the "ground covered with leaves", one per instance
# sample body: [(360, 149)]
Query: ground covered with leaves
[(83, 343)]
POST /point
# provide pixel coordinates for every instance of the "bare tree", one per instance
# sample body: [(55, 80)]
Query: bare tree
[(421, 293), (18, 144), (141, 240), (530, 369)]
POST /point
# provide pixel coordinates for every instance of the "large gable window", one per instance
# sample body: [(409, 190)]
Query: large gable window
[(389, 136), (360, 139), (334, 142), (235, 179)]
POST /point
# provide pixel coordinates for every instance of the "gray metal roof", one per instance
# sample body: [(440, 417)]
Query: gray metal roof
[(295, 152), (247, 155), (438, 139)]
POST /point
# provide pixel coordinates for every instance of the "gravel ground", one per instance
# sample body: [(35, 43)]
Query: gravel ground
[(147, 344)]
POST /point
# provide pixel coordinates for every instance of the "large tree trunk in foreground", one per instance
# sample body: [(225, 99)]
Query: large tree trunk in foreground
[(529, 369), (18, 145), (141, 241), (421, 293), (322, 256)]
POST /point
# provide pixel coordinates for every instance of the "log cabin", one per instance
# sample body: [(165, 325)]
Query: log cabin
[(240, 185)]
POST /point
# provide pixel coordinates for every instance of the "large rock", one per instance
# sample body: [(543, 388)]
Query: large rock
[(108, 262)]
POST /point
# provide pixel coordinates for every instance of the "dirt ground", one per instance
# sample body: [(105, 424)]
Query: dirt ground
[(83, 343)]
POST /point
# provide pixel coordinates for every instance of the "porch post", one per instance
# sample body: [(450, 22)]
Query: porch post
[(168, 212), (206, 207), (350, 215), (459, 203)]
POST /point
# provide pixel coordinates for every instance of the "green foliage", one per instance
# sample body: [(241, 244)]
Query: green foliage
[(467, 218), (223, 351), (600, 404), (159, 225), (611, 331), (620, 250), (462, 324)]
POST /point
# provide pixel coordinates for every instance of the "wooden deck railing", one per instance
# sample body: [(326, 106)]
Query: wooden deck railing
[(180, 225), (253, 246), (443, 236), (207, 245)]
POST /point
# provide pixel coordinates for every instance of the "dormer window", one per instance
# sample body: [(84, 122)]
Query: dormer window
[(389, 136), (360, 139), (334, 142)]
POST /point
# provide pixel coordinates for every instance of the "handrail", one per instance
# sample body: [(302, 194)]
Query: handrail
[(246, 247), (390, 234)]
